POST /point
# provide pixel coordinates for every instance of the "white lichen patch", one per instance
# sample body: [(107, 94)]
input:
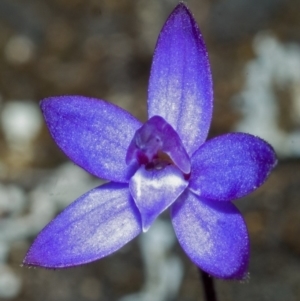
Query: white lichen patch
[(276, 66)]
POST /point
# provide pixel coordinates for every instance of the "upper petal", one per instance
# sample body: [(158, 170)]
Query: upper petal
[(92, 133), (95, 225), (231, 166), (213, 235), (180, 86), (155, 190)]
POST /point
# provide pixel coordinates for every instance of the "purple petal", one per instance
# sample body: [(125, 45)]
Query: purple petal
[(156, 136), (155, 190), (231, 166), (92, 133), (213, 235), (95, 225), (180, 87)]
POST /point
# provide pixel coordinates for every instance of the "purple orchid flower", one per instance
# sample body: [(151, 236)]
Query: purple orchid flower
[(153, 166)]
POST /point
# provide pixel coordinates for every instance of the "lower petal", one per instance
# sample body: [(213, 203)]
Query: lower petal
[(155, 190), (95, 225), (213, 235)]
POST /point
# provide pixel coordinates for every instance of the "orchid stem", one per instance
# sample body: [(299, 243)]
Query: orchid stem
[(208, 284)]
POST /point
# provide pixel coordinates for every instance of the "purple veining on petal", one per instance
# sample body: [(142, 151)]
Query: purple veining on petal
[(155, 190), (231, 166), (93, 133), (153, 141), (213, 234), (95, 225), (180, 85)]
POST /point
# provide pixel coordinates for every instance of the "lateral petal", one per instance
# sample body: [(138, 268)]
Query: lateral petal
[(231, 166), (92, 133), (213, 235), (95, 225), (155, 190), (180, 86)]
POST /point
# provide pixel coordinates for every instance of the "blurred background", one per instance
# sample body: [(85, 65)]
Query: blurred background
[(103, 48)]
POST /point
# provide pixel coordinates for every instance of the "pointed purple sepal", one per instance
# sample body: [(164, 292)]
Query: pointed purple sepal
[(231, 166), (180, 86), (213, 235), (155, 190), (153, 139), (95, 225), (93, 133)]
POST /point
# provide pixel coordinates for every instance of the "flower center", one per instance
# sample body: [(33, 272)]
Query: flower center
[(156, 144), (159, 161)]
